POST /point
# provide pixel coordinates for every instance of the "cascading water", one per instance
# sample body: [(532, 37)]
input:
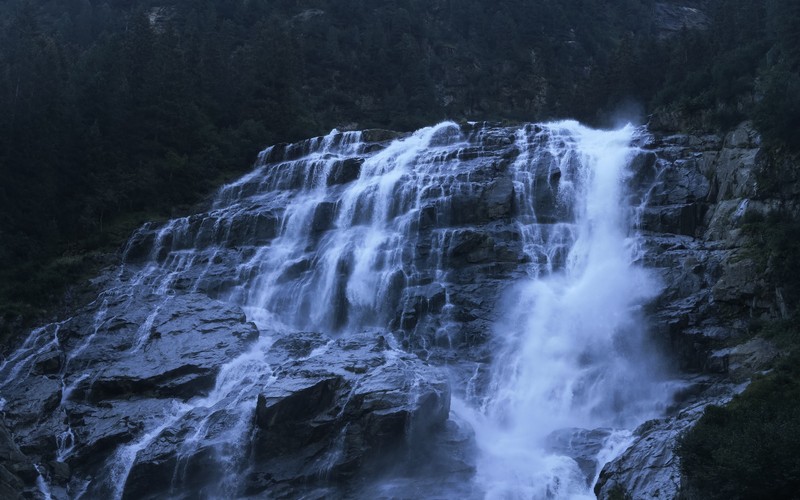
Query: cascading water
[(574, 359), (414, 237)]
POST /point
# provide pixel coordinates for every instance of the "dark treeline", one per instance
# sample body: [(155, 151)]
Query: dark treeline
[(118, 111)]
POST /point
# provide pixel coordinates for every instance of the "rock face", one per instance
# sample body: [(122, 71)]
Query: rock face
[(80, 388), (670, 19), (336, 404), (326, 410), (133, 389), (17, 473), (713, 290), (197, 371), (712, 285)]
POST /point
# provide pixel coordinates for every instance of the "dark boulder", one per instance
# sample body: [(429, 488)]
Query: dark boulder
[(350, 403), (17, 472), (344, 171), (324, 215)]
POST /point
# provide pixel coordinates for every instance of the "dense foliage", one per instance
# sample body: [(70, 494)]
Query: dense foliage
[(748, 449), (124, 110)]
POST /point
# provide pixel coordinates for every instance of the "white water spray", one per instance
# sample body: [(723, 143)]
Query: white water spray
[(573, 353)]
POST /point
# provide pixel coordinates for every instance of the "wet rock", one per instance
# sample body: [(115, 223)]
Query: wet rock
[(128, 357), (175, 349), (674, 219), (469, 247), (324, 216), (428, 298), (345, 171), (31, 399), (294, 270), (48, 363), (17, 472), (351, 403), (168, 466), (256, 228), (712, 289), (329, 409), (650, 467), (679, 182), (547, 208), (644, 169), (582, 445), (499, 198), (59, 471), (743, 360), (140, 245), (739, 281)]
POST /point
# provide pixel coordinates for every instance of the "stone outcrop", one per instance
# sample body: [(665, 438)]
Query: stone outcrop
[(350, 401), (713, 287), (713, 290), (163, 384), (671, 18), (91, 387), (82, 387), (17, 472)]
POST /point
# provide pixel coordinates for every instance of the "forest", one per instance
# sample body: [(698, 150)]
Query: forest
[(123, 111)]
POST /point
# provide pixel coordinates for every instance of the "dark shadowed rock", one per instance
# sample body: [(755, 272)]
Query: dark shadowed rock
[(17, 472), (650, 467), (140, 245), (256, 228), (48, 363), (324, 216), (173, 349), (469, 247), (32, 399), (380, 135), (499, 198), (349, 404), (345, 171), (100, 429)]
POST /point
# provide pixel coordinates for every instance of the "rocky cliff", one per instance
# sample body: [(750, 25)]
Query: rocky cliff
[(274, 343), (715, 291)]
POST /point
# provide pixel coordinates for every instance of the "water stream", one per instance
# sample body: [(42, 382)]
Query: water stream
[(348, 232), (573, 357)]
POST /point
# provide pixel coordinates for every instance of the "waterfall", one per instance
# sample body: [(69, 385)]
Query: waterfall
[(573, 366), (510, 252)]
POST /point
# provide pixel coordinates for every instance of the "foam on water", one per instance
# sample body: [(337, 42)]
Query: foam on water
[(573, 351)]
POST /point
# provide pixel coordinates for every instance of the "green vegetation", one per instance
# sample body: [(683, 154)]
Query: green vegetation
[(120, 110), (776, 249), (618, 493), (749, 449)]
